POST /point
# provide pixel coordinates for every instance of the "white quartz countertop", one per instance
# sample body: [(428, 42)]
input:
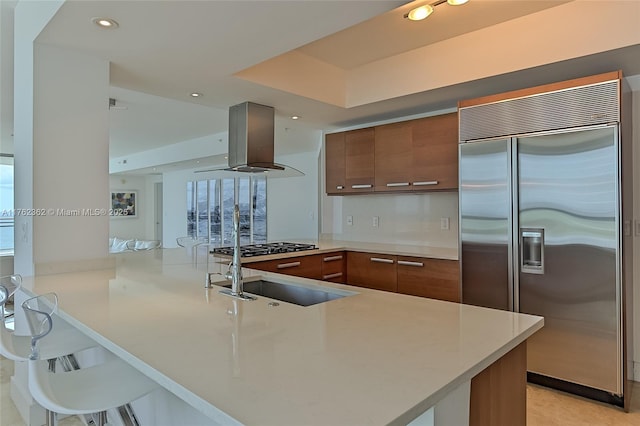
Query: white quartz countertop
[(370, 358)]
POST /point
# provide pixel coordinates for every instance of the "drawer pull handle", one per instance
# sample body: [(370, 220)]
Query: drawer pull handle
[(339, 187), (398, 184), (361, 186), (425, 183), (288, 265), (330, 276), (407, 263), (332, 258), (381, 260)]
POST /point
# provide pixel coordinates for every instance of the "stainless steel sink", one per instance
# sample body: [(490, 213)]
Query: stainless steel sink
[(290, 293)]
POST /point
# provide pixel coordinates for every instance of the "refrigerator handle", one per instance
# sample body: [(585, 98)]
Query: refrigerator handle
[(532, 250)]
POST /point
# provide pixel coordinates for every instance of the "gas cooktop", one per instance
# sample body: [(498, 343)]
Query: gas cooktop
[(265, 249)]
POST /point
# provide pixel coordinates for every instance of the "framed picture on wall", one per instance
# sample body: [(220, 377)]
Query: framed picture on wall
[(124, 204)]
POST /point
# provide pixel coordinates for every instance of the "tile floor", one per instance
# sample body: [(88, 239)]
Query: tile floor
[(545, 407), (9, 415)]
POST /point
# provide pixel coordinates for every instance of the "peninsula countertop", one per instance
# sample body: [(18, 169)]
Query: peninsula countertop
[(370, 358)]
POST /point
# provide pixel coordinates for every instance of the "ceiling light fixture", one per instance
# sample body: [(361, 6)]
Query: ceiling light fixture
[(422, 12), (294, 117), (106, 23), (195, 94)]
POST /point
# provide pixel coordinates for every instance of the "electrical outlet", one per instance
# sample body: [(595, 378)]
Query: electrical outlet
[(376, 220), (444, 223), (349, 220)]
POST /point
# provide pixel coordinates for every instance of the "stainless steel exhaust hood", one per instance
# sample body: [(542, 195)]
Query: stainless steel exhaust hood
[(251, 142), (251, 139)]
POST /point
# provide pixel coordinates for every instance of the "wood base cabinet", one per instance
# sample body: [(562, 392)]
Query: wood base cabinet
[(372, 270), (299, 266), (432, 278), (334, 267), (499, 392)]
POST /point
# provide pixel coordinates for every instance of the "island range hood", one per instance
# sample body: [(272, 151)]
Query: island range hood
[(251, 138), (251, 142)]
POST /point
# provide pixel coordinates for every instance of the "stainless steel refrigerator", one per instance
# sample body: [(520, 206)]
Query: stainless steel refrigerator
[(541, 233)]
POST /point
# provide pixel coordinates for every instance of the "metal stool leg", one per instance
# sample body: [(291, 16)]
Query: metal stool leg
[(50, 416), (70, 363), (102, 418)]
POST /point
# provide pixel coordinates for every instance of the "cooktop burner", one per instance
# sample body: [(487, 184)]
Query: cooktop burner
[(265, 249)]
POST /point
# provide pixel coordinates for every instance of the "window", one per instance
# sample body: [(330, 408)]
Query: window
[(6, 204), (210, 209)]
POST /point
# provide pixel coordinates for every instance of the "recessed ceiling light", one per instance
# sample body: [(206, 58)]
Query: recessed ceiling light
[(195, 94), (420, 13), (106, 23), (294, 117), (456, 2)]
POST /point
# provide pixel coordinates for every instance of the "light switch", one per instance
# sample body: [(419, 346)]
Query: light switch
[(349, 220), (444, 223), (376, 220)]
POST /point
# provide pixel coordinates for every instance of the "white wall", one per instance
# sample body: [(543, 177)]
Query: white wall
[(70, 154), (174, 199), (142, 226), (292, 203)]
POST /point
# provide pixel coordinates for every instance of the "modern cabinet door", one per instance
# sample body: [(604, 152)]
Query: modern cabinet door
[(359, 160), (372, 270), (335, 163), (393, 157), (435, 152), (433, 278), (333, 267), (299, 266)]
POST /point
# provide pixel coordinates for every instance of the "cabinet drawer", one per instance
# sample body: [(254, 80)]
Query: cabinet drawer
[(433, 278), (372, 270), (333, 267), (299, 266)]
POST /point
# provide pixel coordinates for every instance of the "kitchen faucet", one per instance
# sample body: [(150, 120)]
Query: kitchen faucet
[(235, 267)]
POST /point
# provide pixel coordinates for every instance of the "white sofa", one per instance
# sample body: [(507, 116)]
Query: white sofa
[(119, 245)]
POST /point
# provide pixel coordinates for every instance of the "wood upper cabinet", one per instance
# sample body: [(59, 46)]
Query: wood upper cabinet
[(359, 160), (417, 155), (433, 278), (435, 152), (372, 270), (349, 161), (414, 155), (299, 266), (335, 163), (394, 157)]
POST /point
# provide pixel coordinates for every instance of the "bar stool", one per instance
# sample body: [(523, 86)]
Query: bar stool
[(90, 390), (65, 341)]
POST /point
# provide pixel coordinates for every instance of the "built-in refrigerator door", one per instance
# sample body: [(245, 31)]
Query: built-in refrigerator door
[(568, 230), (485, 224)]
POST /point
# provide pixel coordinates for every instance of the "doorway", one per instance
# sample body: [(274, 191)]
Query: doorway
[(157, 211)]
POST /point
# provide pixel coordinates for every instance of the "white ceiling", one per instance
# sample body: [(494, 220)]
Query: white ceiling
[(164, 50)]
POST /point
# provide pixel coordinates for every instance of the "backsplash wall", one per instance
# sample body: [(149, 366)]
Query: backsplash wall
[(412, 219)]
